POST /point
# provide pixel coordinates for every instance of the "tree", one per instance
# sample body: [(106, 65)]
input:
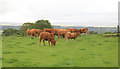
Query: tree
[(41, 24)]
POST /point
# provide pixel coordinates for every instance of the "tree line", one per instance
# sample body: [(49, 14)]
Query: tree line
[(39, 24)]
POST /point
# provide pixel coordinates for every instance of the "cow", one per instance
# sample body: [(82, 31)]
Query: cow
[(48, 30), (73, 30), (37, 31), (62, 33), (30, 32), (83, 30), (70, 35), (47, 37), (54, 30)]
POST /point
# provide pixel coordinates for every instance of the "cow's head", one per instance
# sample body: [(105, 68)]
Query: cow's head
[(53, 42)]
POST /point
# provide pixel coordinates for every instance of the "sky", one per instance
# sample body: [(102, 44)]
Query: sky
[(63, 12)]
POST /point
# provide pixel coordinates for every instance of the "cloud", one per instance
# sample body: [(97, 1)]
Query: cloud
[(59, 10)]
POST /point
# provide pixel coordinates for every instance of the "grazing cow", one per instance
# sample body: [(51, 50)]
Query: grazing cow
[(62, 33), (37, 31), (83, 30), (47, 37), (70, 35), (30, 32)]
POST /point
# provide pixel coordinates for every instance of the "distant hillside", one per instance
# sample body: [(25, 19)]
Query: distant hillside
[(96, 29)]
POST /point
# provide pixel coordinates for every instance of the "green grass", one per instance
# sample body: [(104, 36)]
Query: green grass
[(87, 51)]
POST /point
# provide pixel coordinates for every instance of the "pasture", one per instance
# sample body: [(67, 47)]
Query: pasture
[(87, 51)]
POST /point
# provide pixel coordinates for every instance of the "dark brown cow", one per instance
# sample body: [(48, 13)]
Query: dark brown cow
[(83, 30), (31, 32), (48, 37)]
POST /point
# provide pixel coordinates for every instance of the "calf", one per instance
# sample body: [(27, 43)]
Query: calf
[(47, 37)]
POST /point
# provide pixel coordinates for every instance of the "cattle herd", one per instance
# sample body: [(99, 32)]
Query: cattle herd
[(48, 34)]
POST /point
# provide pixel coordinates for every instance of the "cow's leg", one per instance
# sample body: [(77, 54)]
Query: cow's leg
[(80, 34), (27, 35), (35, 35), (44, 42), (66, 37), (40, 40), (74, 39), (58, 36), (86, 33), (49, 42), (31, 35)]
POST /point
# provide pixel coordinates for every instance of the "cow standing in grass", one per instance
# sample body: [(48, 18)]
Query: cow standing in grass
[(73, 30), (62, 33), (47, 37), (70, 35), (83, 30), (30, 32), (37, 31), (54, 31), (34, 32)]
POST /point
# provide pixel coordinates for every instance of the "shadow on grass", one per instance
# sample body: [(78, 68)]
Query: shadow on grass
[(21, 52), (6, 52), (12, 61)]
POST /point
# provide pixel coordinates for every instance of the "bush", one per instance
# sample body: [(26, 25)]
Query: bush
[(108, 33), (10, 31), (91, 32), (96, 33)]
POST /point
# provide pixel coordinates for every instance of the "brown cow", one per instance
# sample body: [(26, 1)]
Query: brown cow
[(62, 33), (37, 31), (70, 35), (48, 37), (83, 30), (48, 30), (54, 30), (73, 30), (30, 32)]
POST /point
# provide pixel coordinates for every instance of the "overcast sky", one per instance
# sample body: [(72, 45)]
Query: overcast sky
[(67, 12)]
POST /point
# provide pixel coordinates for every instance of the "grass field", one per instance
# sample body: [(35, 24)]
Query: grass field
[(87, 51)]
